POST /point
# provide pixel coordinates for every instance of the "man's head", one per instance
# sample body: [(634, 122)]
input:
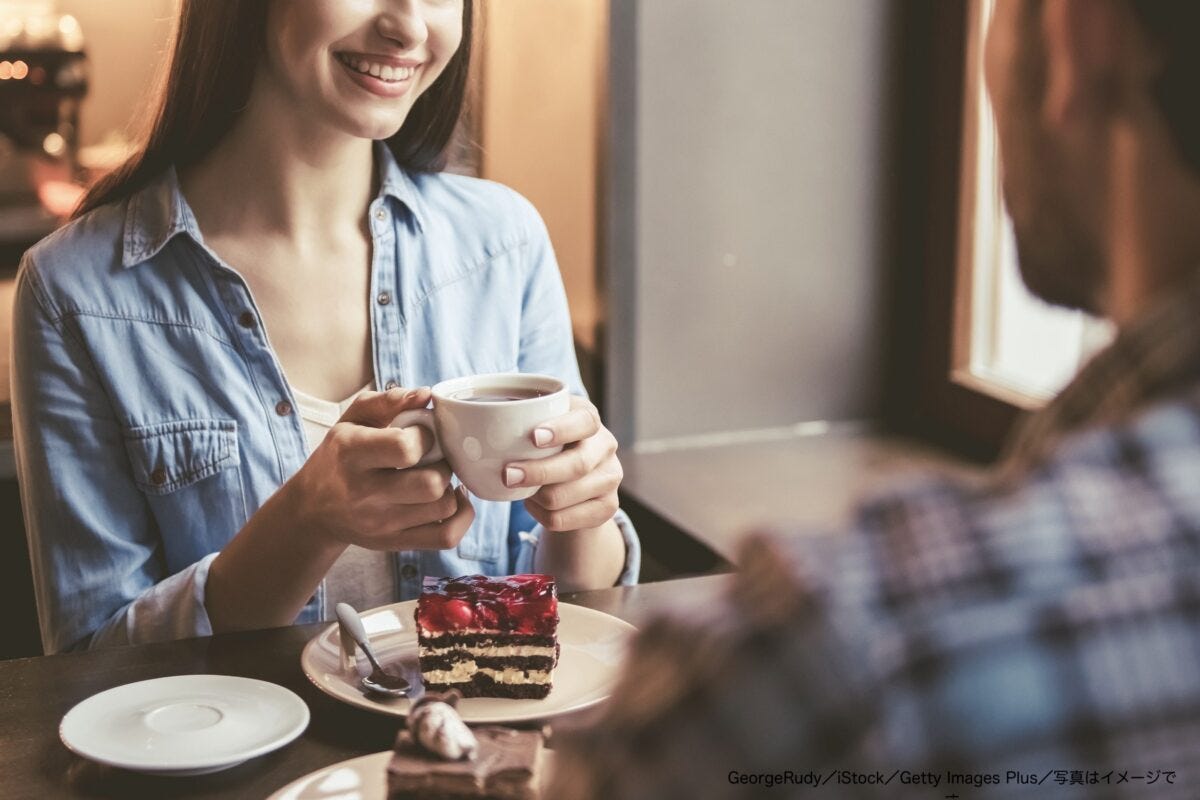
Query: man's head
[(1065, 78)]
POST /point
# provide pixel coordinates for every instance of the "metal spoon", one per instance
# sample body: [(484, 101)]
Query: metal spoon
[(380, 680)]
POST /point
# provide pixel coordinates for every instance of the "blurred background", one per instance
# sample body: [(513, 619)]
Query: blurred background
[(778, 222)]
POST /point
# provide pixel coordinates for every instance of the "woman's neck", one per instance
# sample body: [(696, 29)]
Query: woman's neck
[(277, 174)]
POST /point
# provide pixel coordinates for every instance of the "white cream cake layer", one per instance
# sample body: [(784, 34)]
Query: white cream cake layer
[(464, 670), (495, 652)]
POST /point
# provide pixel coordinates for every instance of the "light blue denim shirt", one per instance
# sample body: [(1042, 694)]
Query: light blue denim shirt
[(153, 418)]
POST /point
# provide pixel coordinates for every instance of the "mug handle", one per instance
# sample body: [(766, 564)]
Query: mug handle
[(424, 418)]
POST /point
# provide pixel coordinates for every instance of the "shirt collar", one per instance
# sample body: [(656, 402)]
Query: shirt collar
[(395, 182), (1153, 356), (158, 211)]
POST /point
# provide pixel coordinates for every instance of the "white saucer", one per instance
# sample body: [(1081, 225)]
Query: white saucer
[(592, 647), (184, 724)]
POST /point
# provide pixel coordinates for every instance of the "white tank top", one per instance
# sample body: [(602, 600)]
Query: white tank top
[(363, 578)]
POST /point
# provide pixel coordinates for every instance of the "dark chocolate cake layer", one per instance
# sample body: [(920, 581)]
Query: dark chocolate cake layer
[(481, 685)]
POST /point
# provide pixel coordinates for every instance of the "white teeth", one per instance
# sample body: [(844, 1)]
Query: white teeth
[(384, 72)]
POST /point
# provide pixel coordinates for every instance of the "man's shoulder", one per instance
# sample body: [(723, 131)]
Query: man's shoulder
[(1104, 499), (1112, 485)]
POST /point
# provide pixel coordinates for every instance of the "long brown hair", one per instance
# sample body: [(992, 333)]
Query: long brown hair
[(216, 51)]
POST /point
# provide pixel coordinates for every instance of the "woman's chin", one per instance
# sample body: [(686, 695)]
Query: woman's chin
[(372, 123), (374, 130)]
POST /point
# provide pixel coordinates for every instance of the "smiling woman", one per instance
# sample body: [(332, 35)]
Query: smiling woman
[(182, 471), (219, 47)]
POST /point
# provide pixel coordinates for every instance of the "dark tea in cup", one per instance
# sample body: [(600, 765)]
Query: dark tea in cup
[(498, 394)]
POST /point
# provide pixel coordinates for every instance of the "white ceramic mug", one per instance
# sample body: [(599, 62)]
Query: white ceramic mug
[(479, 432)]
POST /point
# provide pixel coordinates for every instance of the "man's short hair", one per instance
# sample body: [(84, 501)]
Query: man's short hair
[(1174, 26)]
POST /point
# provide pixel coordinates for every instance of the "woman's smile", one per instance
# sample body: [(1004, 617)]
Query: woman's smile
[(384, 51), (386, 76)]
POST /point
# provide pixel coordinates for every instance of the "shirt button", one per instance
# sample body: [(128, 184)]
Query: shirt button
[(408, 571), (158, 477), (283, 408), (390, 385), (246, 320), (384, 298), (380, 214)]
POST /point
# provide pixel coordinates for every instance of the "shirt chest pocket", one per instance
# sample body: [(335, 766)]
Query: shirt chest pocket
[(189, 472)]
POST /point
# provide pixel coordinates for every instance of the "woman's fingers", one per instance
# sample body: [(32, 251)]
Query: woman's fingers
[(381, 448), (571, 464), (583, 503), (383, 525), (437, 534), (378, 409), (409, 486), (576, 425), (587, 514), (560, 496), (364, 439)]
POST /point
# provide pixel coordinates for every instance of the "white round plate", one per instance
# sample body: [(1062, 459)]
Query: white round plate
[(362, 778), (184, 724), (592, 646)]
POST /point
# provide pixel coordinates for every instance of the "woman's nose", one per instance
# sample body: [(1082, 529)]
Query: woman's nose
[(403, 21)]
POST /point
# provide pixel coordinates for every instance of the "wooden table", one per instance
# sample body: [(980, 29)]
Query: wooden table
[(35, 693)]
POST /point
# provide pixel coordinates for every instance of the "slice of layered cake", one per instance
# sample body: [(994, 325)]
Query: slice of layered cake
[(488, 637)]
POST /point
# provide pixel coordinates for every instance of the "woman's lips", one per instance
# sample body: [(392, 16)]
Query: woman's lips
[(379, 77)]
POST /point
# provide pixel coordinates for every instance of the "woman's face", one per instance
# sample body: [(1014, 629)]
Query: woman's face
[(359, 65)]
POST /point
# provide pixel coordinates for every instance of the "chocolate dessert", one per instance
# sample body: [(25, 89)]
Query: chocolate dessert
[(506, 767), (438, 758), (488, 637)]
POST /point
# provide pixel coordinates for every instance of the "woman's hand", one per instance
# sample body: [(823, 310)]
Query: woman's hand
[(360, 485), (579, 485)]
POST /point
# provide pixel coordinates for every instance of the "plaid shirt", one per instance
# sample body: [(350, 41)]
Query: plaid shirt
[(1046, 623)]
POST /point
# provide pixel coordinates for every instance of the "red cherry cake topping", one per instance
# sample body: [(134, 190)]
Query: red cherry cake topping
[(516, 603)]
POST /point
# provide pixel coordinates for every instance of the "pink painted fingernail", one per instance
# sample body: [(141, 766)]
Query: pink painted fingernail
[(542, 436), (513, 476)]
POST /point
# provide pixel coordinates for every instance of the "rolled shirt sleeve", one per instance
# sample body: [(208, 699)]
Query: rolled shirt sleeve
[(527, 542)]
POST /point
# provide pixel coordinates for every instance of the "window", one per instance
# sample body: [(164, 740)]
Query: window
[(1007, 342), (970, 348)]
